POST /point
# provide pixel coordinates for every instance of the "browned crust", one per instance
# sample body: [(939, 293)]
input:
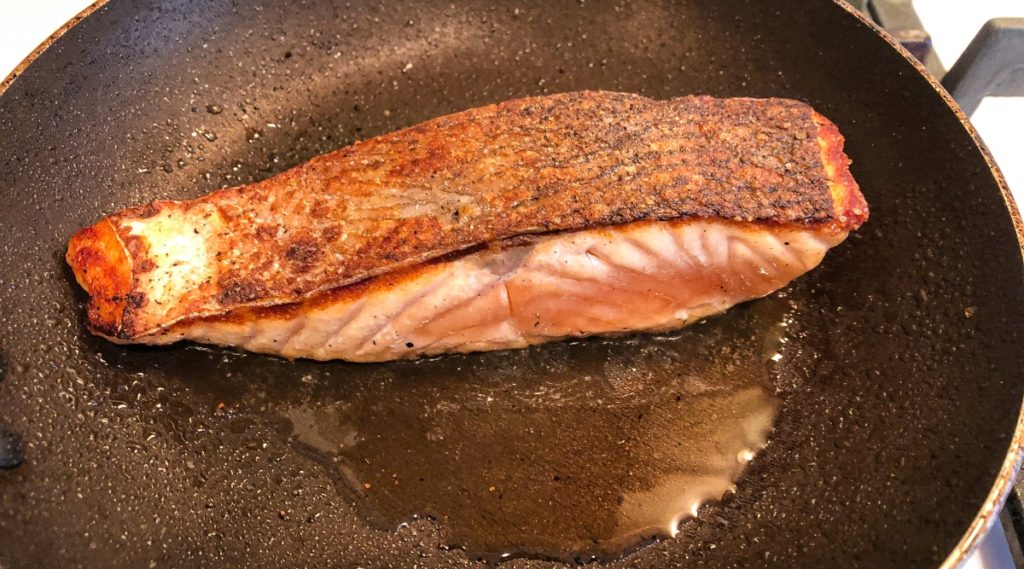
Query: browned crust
[(557, 163), (102, 267)]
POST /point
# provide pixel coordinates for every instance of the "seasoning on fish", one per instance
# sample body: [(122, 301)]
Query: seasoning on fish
[(499, 227)]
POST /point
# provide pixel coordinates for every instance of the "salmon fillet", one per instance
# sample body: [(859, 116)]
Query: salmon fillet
[(498, 227)]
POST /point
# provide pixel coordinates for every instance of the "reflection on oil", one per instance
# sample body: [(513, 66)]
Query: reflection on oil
[(718, 444), (562, 451)]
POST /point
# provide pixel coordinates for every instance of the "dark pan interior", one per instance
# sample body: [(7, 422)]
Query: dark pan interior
[(900, 393)]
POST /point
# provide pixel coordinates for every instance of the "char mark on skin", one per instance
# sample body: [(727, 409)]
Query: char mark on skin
[(235, 291), (303, 252)]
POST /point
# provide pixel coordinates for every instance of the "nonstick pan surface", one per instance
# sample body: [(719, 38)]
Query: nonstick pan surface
[(901, 387)]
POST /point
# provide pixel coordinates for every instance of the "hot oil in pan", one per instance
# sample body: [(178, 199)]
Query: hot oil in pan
[(562, 451)]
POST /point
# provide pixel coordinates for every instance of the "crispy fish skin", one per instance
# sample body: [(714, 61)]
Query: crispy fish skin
[(546, 165)]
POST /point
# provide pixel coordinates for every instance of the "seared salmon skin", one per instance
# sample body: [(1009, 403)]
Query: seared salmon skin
[(499, 227)]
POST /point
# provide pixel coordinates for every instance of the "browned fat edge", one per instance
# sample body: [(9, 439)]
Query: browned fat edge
[(102, 267), (851, 209)]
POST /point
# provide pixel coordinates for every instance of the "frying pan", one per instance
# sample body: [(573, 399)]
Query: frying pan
[(901, 389)]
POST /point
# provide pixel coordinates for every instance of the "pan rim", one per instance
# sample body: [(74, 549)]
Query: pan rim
[(988, 513), (46, 43)]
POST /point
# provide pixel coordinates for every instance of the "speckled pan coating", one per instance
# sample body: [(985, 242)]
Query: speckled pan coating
[(901, 382)]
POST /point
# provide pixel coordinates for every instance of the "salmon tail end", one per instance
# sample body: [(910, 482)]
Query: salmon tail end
[(102, 267)]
